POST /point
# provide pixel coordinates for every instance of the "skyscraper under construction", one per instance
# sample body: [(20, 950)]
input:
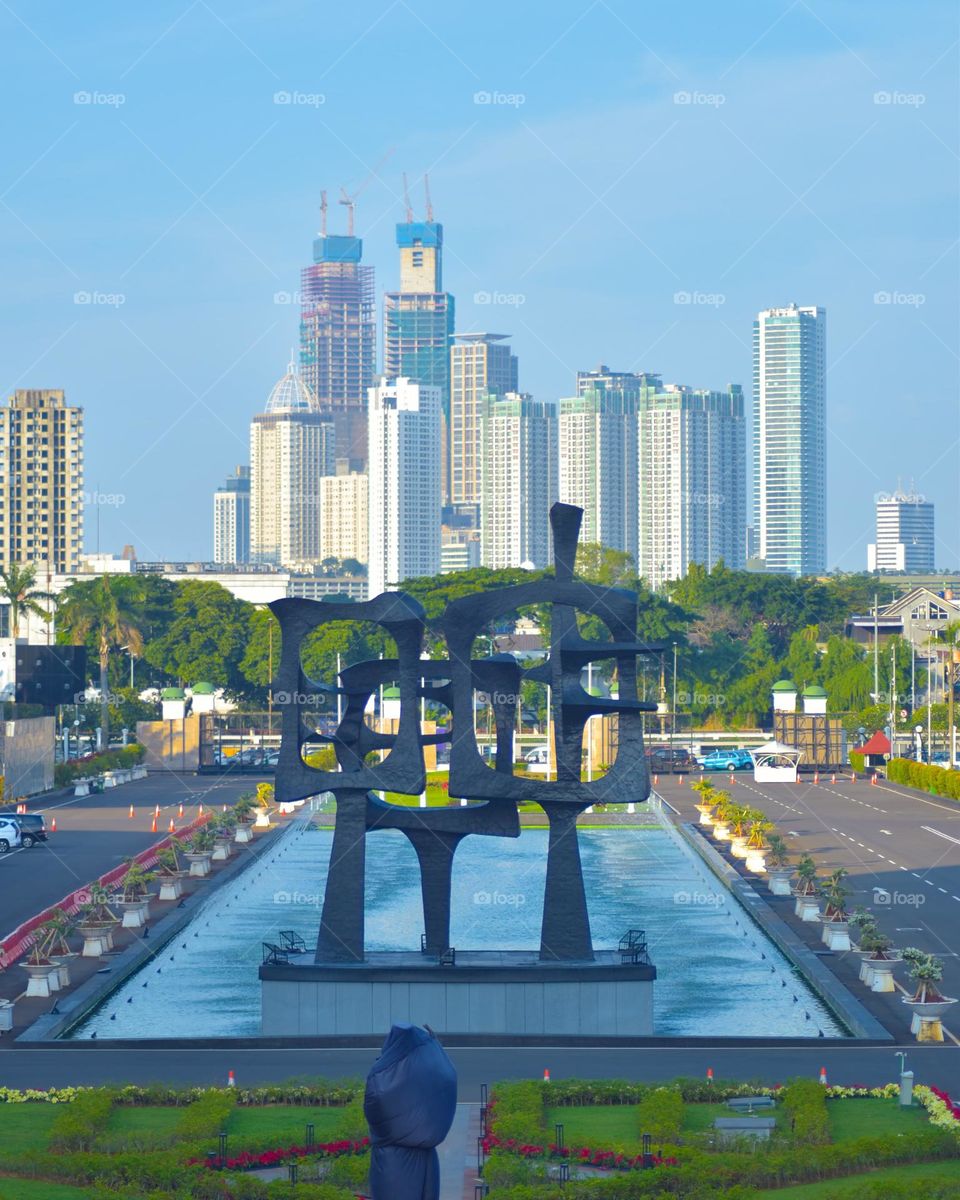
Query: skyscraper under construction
[(418, 318), (338, 338)]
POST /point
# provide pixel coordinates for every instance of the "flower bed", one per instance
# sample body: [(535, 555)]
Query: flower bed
[(246, 1160)]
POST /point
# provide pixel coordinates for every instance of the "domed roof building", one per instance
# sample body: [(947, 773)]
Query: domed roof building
[(292, 448), (291, 395)]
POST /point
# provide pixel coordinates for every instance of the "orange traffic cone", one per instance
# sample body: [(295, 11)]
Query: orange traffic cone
[(224, 808), (130, 813), (732, 780), (656, 781), (816, 777), (231, 1079), (546, 1075), (181, 809), (833, 777), (873, 780), (153, 826), (823, 1076), (680, 779), (853, 777), (200, 813), (709, 1074), (53, 825), (173, 827), (156, 811)]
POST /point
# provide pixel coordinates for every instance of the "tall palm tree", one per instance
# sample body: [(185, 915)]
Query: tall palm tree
[(95, 609), (16, 587)]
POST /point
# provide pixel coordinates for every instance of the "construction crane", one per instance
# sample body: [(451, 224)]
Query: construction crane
[(350, 201), (406, 200), (323, 214), (426, 192)]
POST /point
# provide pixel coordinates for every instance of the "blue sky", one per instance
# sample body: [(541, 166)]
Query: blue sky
[(815, 159)]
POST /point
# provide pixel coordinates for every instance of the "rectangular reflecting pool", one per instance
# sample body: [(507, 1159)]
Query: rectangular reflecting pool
[(718, 975)]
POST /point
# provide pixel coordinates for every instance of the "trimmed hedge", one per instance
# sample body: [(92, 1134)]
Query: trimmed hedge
[(927, 777), (856, 761), (660, 1113), (804, 1101), (206, 1116), (78, 1124)]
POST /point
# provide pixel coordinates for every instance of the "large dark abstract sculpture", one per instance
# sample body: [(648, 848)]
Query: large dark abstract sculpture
[(493, 792)]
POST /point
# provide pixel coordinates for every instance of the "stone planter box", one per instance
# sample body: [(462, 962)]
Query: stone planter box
[(925, 1022), (807, 908), (199, 863), (109, 779), (836, 935), (778, 880), (135, 913), (43, 978), (6, 1016), (222, 849), (171, 886), (81, 787), (244, 834), (97, 940)]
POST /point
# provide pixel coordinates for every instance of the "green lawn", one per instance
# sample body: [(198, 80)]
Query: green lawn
[(143, 1119), (602, 1124), (26, 1123), (38, 1189), (281, 1124), (871, 1118), (852, 1185)]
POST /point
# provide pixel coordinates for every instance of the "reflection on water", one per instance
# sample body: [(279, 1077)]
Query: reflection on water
[(717, 974)]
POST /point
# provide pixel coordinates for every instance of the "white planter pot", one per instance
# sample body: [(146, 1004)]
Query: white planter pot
[(63, 969), (881, 975), (807, 908), (756, 861), (721, 831), (836, 935), (778, 881), (135, 913), (109, 779), (706, 814), (263, 819), (81, 788), (6, 1016), (43, 979), (95, 941), (199, 864), (222, 849), (925, 1022), (171, 887), (738, 847), (244, 834)]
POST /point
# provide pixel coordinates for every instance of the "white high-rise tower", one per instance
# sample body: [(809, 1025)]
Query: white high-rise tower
[(790, 439), (406, 473)]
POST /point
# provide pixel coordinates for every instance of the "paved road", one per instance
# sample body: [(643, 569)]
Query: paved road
[(95, 834), (892, 838), (62, 1064)]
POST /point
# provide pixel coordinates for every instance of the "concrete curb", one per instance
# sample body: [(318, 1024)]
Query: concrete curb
[(74, 1007), (842, 1003)]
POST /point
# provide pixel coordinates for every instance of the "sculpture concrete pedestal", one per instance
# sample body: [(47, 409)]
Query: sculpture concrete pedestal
[(487, 996)]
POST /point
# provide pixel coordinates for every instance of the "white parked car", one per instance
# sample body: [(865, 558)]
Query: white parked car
[(9, 835), (539, 756)]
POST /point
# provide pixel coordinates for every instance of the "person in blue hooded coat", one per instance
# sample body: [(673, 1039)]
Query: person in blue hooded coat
[(410, 1103)]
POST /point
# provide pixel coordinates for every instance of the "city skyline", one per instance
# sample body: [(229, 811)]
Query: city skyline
[(132, 287)]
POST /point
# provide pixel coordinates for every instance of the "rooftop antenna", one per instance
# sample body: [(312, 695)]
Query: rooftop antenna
[(323, 214), (426, 192), (406, 200), (349, 201)]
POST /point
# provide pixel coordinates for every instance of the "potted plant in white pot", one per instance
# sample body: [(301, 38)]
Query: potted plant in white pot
[(265, 795), (927, 1004), (779, 870), (243, 811), (879, 959), (704, 805), (134, 899), (170, 872), (722, 811), (224, 826), (43, 974), (757, 846), (740, 817), (836, 934), (199, 851), (807, 905), (60, 928), (95, 923)]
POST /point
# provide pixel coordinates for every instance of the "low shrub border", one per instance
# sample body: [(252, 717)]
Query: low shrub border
[(248, 1161), (323, 1093), (927, 777)]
